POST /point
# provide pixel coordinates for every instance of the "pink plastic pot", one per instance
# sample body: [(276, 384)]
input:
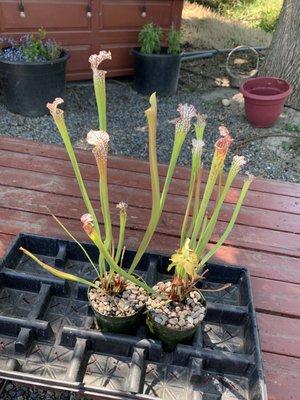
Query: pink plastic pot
[(264, 100)]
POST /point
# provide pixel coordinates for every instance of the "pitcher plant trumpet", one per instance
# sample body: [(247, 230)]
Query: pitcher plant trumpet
[(109, 269)]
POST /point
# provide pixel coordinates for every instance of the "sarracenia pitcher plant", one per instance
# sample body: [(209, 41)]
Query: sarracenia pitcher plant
[(197, 231), (109, 267)]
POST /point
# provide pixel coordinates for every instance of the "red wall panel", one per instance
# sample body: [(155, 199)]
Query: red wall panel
[(113, 25)]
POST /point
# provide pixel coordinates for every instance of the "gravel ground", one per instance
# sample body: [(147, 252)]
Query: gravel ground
[(9, 391), (272, 158)]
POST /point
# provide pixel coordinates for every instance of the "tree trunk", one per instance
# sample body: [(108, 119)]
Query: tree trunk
[(283, 59)]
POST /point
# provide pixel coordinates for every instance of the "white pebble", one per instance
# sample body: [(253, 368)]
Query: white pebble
[(226, 102)]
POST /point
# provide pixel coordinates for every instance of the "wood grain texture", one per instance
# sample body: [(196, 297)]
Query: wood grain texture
[(283, 376), (131, 164), (242, 236), (279, 335), (140, 180)]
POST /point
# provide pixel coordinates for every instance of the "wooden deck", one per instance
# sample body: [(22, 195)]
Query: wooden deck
[(266, 239)]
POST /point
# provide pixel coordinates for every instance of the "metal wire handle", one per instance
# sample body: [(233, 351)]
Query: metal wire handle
[(253, 72)]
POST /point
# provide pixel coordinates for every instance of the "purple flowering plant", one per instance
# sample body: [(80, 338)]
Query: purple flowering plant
[(30, 48)]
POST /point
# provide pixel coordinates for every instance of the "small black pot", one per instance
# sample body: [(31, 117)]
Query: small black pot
[(125, 325), (156, 72), (29, 86), (171, 337)]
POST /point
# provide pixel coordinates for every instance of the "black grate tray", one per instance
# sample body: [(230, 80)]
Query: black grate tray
[(48, 338)]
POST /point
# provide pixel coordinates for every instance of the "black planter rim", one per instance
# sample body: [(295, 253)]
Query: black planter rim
[(114, 317), (136, 51), (186, 330), (64, 57)]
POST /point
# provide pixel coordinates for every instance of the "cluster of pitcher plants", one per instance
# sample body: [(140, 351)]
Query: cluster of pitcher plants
[(117, 292)]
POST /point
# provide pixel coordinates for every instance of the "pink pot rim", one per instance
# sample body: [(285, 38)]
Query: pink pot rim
[(275, 97)]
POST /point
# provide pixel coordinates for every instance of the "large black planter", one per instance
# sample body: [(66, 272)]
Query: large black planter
[(28, 87), (156, 72)]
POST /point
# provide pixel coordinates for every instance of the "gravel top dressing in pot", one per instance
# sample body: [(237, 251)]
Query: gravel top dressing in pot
[(174, 322), (123, 304), (174, 314), (118, 312)]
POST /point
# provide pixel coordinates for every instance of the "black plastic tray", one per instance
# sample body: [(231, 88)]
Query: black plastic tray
[(48, 337)]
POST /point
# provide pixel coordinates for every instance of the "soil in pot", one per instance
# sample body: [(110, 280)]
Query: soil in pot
[(121, 312), (174, 322)]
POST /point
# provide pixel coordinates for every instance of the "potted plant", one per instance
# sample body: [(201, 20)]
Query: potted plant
[(156, 68), (33, 71), (174, 316), (117, 296)]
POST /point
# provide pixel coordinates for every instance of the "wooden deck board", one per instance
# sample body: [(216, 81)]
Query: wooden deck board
[(265, 240), (131, 164), (272, 240), (140, 180), (250, 216), (283, 377), (279, 335), (11, 193)]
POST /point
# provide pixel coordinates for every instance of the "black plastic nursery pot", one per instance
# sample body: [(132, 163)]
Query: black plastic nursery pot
[(115, 324), (156, 72), (125, 325), (49, 339), (171, 337), (29, 86)]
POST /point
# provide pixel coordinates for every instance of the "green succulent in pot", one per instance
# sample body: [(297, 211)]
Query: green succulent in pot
[(117, 295), (174, 316)]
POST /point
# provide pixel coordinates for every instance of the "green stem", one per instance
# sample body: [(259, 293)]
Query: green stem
[(199, 130), (196, 201), (121, 236), (186, 218), (100, 93), (120, 271), (56, 272), (213, 174), (155, 216), (196, 163), (220, 184), (204, 225), (61, 126), (151, 115), (204, 239), (104, 199), (178, 142), (230, 226)]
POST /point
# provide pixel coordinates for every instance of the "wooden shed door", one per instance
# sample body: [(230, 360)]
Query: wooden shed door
[(112, 25)]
